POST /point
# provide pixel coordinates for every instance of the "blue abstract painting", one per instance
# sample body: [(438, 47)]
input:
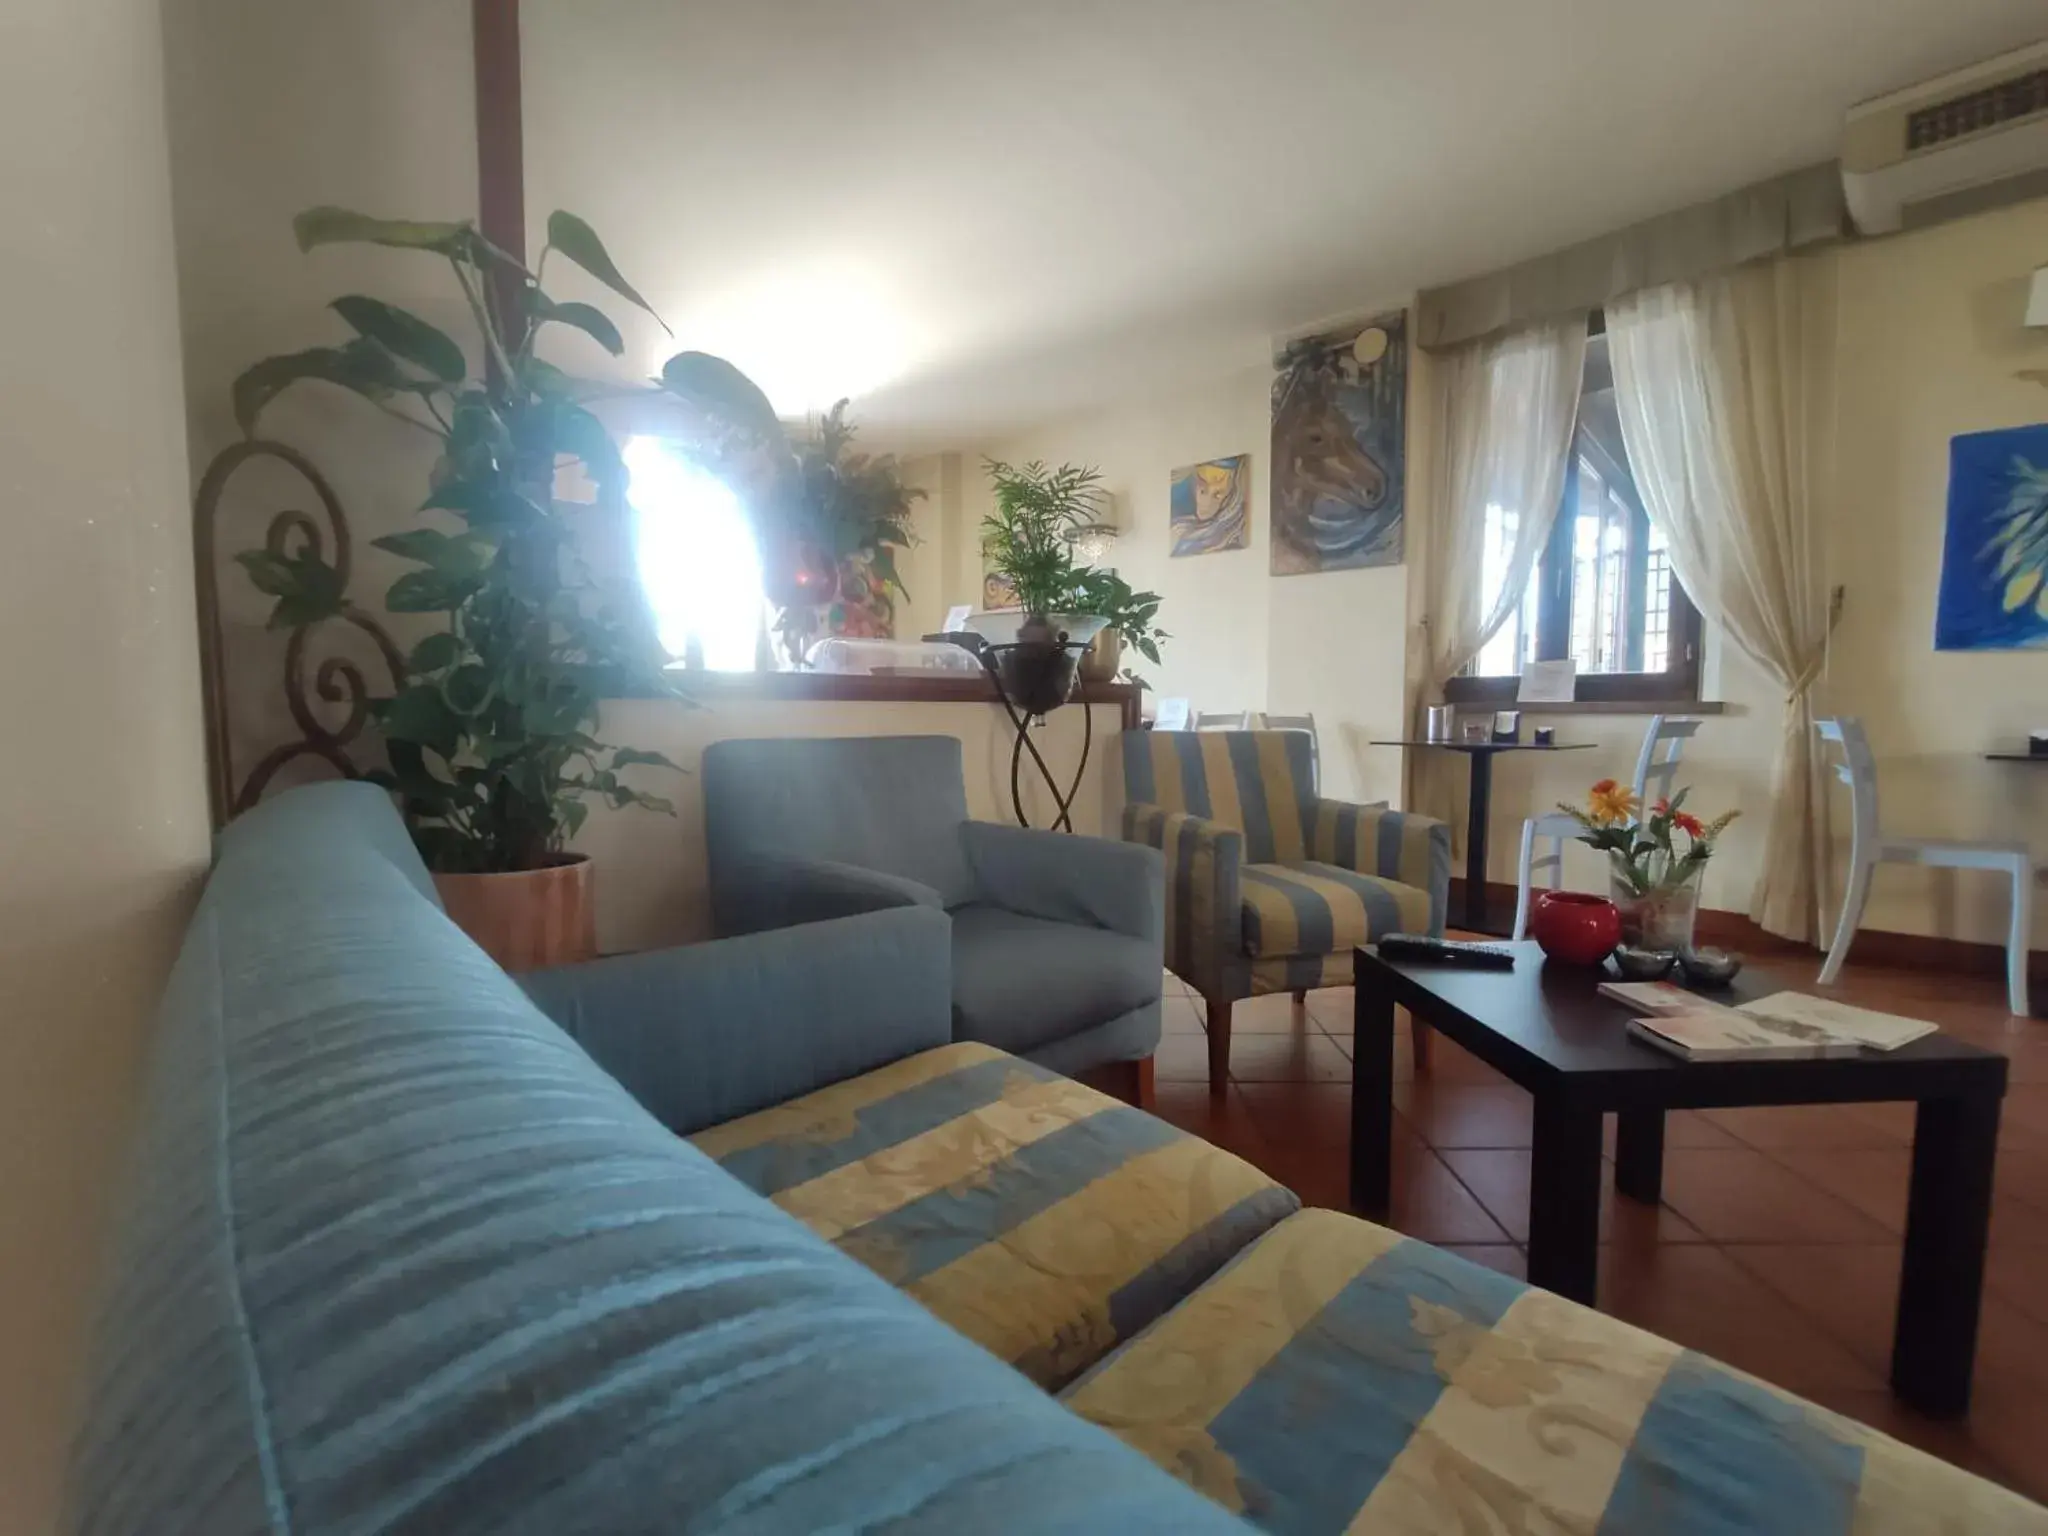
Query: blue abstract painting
[(1340, 429), (1994, 568)]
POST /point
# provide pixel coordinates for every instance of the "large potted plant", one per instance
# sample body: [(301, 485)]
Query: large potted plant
[(1061, 607), (829, 546), (490, 731)]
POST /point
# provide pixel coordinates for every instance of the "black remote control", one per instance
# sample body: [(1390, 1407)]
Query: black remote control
[(1419, 949)]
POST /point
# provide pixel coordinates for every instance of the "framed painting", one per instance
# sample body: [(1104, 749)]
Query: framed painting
[(1210, 508), (1340, 423), (1994, 564)]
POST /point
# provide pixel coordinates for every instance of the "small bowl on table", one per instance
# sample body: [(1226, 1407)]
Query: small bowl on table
[(1637, 964), (1709, 967)]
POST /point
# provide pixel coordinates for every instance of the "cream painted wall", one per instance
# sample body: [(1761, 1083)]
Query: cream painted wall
[(651, 888), (1330, 644), (103, 825), (275, 108)]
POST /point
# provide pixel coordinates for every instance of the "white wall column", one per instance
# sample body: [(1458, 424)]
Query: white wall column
[(103, 824)]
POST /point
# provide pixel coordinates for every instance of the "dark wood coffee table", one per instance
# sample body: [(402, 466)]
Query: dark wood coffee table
[(1545, 1028)]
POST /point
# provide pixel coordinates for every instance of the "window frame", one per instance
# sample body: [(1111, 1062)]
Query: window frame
[(1678, 683)]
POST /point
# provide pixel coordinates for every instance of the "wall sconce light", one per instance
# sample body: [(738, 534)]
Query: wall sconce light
[(1094, 543)]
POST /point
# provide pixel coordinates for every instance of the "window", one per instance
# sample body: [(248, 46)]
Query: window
[(697, 559), (1602, 592)]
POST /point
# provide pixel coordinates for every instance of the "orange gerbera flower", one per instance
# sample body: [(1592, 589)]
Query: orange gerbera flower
[(1612, 803), (1689, 824)]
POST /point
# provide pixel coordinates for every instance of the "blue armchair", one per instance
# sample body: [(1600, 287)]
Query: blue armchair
[(1057, 941)]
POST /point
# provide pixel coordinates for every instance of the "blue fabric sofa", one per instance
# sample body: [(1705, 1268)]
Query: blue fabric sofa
[(411, 1248), (1057, 944)]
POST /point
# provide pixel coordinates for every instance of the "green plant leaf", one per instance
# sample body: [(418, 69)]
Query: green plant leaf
[(582, 436), (420, 715), (587, 318), (458, 556), (633, 757), (404, 335), (467, 689), (436, 653), (429, 591), (332, 226), (578, 241), (716, 387)]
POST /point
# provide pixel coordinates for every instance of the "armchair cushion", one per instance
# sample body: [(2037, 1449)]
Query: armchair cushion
[(1042, 1219), (1022, 982), (709, 1031), (770, 890), (1066, 879), (1319, 909), (1394, 845)]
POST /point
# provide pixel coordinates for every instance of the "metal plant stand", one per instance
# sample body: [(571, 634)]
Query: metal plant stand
[(1048, 682)]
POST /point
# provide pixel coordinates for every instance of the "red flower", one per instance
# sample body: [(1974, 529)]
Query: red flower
[(1688, 823), (1660, 808)]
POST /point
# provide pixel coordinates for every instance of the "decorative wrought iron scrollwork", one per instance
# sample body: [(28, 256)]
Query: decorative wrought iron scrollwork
[(334, 680)]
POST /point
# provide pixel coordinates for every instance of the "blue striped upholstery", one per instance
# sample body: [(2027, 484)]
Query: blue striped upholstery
[(400, 1258), (1339, 1377), (1268, 886), (1042, 1219), (1319, 909)]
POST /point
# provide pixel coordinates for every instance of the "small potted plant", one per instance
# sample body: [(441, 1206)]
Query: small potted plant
[(1061, 607), (829, 547), (1130, 614), (1655, 861)]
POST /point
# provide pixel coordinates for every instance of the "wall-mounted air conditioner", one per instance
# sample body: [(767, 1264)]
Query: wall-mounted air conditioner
[(1970, 140)]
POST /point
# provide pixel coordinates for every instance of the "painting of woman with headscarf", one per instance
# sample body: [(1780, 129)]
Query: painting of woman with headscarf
[(1340, 403), (1211, 507)]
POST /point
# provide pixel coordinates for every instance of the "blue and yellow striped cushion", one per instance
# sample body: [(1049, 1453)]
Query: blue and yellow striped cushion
[(1256, 782), (1042, 1219), (1341, 1377), (1318, 909)]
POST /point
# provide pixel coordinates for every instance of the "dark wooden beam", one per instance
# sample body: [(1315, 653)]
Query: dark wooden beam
[(500, 142)]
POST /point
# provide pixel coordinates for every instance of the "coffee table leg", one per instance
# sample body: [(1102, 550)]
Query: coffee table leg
[(1372, 1098), (1941, 1279), (1639, 1154), (1564, 1201)]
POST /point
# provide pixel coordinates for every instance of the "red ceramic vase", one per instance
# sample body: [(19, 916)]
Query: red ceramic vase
[(1575, 928)]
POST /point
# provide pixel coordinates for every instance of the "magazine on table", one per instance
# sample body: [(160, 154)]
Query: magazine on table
[(1786, 1026)]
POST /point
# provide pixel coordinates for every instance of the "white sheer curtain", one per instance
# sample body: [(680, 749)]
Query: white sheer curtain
[(1723, 392), (1505, 407)]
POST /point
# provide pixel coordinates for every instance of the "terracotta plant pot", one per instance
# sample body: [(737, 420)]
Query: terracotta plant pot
[(529, 919), (1575, 928)]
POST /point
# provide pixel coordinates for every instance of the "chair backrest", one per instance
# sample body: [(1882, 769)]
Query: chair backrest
[(890, 803), (1307, 725), (1857, 769), (1255, 781), (1223, 720), (1657, 764)]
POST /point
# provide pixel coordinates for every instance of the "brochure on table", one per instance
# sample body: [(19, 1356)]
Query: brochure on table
[(1785, 1026)]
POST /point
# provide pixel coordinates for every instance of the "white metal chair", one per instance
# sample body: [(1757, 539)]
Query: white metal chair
[(1869, 847), (1224, 720), (1307, 725), (1656, 768)]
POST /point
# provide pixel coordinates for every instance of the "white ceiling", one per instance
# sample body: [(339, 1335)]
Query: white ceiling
[(977, 214)]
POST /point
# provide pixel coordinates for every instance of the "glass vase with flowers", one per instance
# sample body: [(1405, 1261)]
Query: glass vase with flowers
[(1655, 859)]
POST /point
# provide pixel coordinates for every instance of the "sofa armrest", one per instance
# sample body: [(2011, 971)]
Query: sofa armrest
[(1091, 881), (708, 1032), (781, 892), (1204, 913), (1394, 845)]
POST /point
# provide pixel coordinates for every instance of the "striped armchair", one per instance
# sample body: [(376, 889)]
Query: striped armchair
[(1268, 886)]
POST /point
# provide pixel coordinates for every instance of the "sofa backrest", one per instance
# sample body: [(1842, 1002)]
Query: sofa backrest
[(399, 1257), (1258, 782), (892, 803)]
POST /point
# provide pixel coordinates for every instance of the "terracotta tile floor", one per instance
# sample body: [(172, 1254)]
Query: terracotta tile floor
[(1777, 1246)]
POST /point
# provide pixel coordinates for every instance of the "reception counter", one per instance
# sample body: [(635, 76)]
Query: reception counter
[(651, 886)]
